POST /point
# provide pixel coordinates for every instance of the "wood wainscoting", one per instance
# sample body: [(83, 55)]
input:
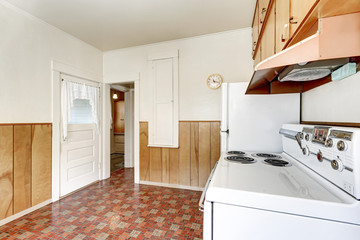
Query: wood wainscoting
[(25, 166), (188, 165)]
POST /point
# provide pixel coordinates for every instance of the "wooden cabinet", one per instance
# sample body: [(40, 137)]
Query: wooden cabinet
[(268, 38), (298, 10), (255, 28), (257, 58), (282, 23), (263, 8), (274, 24)]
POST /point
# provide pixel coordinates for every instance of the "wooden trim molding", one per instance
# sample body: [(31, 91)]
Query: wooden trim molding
[(338, 124)]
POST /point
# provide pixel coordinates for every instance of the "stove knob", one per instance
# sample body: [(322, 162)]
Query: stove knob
[(307, 137), (301, 135), (319, 156), (337, 164), (329, 143), (305, 151), (341, 146)]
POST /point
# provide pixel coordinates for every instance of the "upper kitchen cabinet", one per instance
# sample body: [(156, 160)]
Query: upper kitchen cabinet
[(275, 23), (263, 9), (282, 23), (268, 37), (255, 28), (298, 10)]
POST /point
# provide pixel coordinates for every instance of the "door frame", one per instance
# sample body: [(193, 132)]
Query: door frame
[(131, 78), (58, 68)]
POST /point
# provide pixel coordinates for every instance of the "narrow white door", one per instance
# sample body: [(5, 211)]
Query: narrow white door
[(79, 157)]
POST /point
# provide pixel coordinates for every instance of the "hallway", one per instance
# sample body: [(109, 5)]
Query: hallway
[(115, 208)]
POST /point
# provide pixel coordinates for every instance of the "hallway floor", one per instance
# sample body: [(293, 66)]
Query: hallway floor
[(115, 208)]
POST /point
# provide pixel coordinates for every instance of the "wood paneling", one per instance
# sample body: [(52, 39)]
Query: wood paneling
[(184, 153), (22, 167), (165, 167), (144, 152), (6, 171), (204, 152), (191, 163), (41, 164), (194, 154), (155, 164), (174, 166), (215, 143)]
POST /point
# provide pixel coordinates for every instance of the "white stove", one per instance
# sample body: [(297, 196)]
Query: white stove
[(309, 191)]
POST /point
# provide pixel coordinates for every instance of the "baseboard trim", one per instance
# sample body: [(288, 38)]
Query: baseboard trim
[(172, 185), (26, 211)]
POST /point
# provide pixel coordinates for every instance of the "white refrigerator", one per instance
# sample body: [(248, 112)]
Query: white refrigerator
[(252, 122)]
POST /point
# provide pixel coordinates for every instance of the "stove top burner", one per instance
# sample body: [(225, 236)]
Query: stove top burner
[(236, 152), (277, 162), (267, 155), (241, 159)]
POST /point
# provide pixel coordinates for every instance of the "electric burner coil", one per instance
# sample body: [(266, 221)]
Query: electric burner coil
[(241, 159), (277, 162)]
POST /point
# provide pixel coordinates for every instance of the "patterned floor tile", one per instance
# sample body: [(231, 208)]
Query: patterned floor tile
[(115, 208)]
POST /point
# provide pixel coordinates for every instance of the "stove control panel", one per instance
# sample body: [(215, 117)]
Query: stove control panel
[(332, 152)]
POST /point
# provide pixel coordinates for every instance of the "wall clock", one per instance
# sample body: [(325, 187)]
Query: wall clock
[(214, 81)]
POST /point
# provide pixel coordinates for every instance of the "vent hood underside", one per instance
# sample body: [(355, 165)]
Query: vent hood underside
[(337, 39)]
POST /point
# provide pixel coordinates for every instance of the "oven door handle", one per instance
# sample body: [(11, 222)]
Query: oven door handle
[(202, 198)]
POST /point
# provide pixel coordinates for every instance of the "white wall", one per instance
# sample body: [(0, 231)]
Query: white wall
[(333, 102), (227, 53), (27, 47)]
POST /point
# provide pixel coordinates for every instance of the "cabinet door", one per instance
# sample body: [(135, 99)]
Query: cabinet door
[(163, 131), (255, 28), (268, 37), (282, 23), (263, 7), (257, 58), (298, 11)]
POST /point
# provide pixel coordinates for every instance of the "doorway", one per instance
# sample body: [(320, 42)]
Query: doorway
[(122, 126)]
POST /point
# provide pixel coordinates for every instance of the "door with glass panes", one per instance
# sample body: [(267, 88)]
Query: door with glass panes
[(79, 164)]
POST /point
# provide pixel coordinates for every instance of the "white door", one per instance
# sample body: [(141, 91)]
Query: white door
[(79, 157), (79, 160)]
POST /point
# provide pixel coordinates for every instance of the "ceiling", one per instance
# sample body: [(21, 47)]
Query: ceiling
[(114, 24)]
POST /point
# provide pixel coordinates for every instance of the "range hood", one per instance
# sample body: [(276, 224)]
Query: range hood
[(309, 63)]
